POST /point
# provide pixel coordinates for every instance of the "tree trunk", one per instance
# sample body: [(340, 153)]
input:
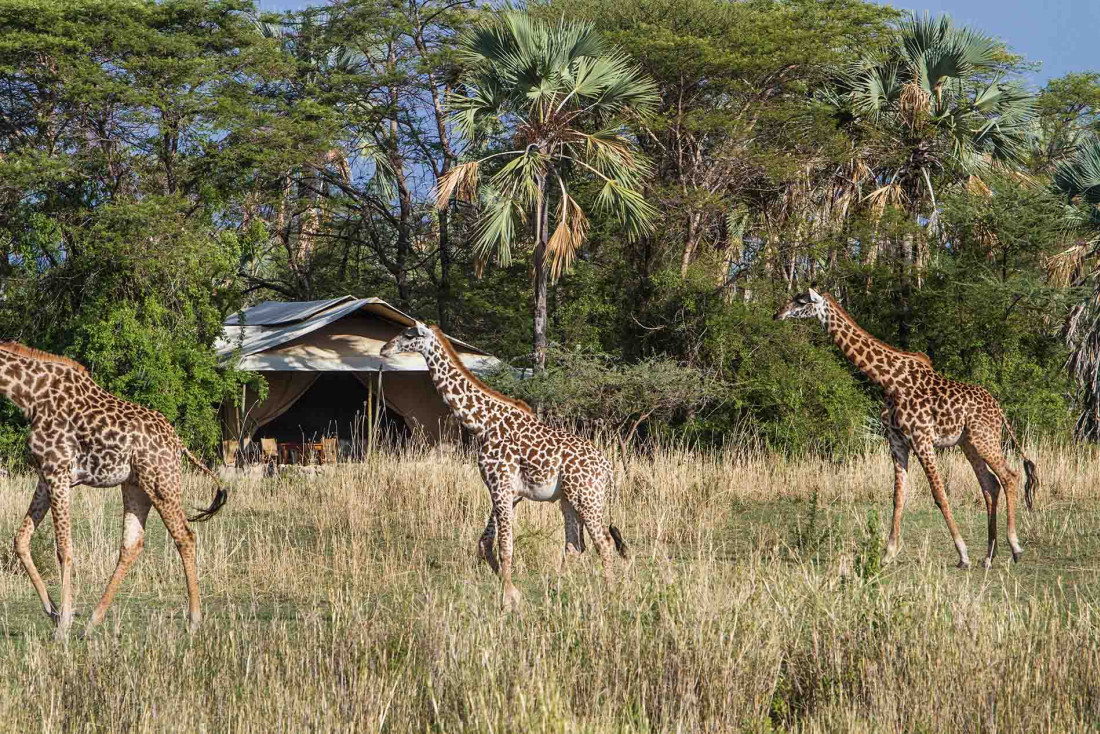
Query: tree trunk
[(541, 277), (905, 300), (444, 297), (690, 244), (404, 196)]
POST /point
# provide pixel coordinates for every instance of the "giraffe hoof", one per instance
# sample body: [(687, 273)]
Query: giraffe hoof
[(963, 565), (1017, 555), (987, 563)]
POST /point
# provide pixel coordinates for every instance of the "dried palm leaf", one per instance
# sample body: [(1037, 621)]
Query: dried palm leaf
[(461, 180)]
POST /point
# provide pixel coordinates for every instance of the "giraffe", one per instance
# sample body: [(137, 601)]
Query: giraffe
[(82, 434), (924, 411), (519, 457)]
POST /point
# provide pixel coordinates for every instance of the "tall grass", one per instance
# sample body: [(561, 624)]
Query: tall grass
[(349, 600)]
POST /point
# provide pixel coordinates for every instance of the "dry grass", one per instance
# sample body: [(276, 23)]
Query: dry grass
[(350, 601)]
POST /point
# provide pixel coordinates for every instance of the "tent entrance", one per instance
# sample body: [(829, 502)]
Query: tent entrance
[(337, 404)]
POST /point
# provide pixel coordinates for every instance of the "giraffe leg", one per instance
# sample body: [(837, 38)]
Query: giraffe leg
[(926, 453), (485, 543), (510, 596), (485, 550), (40, 503), (167, 503), (60, 487), (574, 532), (989, 449), (589, 503), (899, 453), (135, 509), (991, 490)]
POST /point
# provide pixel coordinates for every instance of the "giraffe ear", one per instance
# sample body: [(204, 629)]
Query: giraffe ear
[(422, 329), (815, 296)]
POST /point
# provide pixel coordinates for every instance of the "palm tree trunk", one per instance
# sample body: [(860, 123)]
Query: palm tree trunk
[(541, 276), (905, 301)]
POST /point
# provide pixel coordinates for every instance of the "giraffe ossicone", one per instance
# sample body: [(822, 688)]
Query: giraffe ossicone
[(925, 411), (82, 434), (519, 457)]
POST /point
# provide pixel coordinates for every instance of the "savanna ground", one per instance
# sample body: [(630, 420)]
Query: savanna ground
[(756, 600)]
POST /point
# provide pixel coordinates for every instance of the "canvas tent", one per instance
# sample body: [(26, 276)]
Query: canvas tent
[(324, 372)]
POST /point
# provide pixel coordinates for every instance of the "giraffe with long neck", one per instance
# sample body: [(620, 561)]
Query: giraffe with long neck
[(519, 457), (82, 434), (923, 411)]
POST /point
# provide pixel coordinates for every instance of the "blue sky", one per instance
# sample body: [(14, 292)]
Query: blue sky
[(1060, 33)]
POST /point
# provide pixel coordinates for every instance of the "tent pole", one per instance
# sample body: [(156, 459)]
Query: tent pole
[(370, 418)]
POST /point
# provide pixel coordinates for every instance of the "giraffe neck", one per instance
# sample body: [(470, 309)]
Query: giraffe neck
[(467, 400), (21, 381), (882, 364)]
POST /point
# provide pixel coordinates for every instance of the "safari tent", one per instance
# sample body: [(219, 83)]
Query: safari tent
[(325, 375)]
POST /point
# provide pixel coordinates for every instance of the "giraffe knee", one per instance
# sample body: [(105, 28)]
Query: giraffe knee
[(185, 540), (21, 544)]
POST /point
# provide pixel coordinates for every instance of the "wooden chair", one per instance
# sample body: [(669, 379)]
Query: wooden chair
[(229, 453), (269, 451), (330, 451)]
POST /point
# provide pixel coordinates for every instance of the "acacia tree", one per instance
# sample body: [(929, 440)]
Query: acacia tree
[(548, 85)]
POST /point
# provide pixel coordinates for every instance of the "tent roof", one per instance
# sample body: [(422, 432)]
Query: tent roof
[(262, 334), (280, 313)]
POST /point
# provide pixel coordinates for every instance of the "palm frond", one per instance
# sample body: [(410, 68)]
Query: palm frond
[(496, 227), (629, 206), (461, 180), (570, 233), (1078, 179)]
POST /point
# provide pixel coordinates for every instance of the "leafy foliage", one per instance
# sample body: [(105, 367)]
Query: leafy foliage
[(689, 163), (601, 393)]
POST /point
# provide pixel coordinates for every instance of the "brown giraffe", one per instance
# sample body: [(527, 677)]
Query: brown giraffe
[(82, 434), (924, 411), (520, 457)]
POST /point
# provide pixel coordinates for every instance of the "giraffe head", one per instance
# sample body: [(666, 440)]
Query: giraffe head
[(417, 338), (809, 305)]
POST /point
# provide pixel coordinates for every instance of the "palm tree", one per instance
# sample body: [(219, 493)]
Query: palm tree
[(549, 84), (1078, 181), (932, 107)]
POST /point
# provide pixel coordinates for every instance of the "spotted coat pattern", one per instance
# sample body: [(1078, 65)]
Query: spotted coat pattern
[(924, 411), (519, 458), (82, 434)]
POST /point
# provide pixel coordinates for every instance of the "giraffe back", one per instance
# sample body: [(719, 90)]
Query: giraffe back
[(77, 423)]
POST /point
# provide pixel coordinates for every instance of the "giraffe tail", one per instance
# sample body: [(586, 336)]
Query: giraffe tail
[(220, 496), (1030, 471), (620, 544)]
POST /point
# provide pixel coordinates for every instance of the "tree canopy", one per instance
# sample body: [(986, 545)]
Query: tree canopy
[(647, 179)]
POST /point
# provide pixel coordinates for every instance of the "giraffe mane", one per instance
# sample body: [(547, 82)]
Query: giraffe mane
[(22, 350), (919, 356), (453, 356)]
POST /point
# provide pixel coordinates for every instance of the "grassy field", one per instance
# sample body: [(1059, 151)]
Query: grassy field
[(755, 600)]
